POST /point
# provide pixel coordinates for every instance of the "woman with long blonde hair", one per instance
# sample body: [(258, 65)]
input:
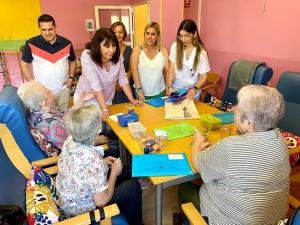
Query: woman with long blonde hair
[(188, 61), (150, 64)]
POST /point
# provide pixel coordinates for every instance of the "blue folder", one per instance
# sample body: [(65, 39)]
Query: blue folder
[(226, 117), (157, 102), (160, 165)]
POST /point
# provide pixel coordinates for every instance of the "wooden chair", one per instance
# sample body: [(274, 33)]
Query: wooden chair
[(196, 218), (50, 166), (211, 83), (16, 161)]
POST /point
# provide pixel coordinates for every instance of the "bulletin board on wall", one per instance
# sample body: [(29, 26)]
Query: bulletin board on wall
[(18, 22)]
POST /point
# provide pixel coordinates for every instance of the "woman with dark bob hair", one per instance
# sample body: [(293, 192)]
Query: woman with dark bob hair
[(102, 69)]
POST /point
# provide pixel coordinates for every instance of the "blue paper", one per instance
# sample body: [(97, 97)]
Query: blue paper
[(160, 165), (157, 102), (226, 117)]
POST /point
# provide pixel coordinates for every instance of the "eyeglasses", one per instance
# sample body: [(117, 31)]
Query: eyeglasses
[(184, 37)]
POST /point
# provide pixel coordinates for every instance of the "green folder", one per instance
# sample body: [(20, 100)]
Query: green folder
[(178, 130)]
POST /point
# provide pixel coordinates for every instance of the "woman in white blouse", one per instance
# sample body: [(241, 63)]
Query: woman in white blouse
[(188, 61), (149, 64)]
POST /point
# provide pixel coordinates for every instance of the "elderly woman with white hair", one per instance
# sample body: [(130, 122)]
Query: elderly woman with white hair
[(82, 181), (245, 177), (44, 116)]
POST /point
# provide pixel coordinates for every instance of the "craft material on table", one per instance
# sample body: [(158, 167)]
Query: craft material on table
[(178, 130), (156, 102), (181, 110), (160, 165), (226, 117)]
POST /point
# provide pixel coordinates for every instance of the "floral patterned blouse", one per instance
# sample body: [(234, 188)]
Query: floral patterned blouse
[(81, 173), (51, 124)]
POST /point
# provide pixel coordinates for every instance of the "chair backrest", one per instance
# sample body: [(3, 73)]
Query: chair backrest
[(289, 86), (262, 75), (213, 78), (12, 182), (13, 114)]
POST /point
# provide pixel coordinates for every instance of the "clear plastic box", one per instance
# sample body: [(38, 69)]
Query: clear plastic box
[(137, 130)]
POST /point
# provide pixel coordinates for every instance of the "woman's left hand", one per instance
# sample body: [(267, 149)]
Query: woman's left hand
[(191, 94), (136, 102)]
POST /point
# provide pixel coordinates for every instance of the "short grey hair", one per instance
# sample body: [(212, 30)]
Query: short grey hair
[(32, 94), (262, 105), (84, 123)]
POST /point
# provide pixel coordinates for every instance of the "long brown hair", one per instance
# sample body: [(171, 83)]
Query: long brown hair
[(190, 27)]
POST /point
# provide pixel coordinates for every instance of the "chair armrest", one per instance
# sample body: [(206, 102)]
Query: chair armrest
[(83, 219), (294, 150), (295, 203), (192, 214)]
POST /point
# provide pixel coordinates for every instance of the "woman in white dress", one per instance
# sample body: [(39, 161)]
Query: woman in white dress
[(188, 61), (150, 64)]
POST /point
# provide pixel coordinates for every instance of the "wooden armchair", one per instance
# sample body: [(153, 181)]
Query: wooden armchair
[(211, 83), (50, 166), (15, 169), (196, 218)]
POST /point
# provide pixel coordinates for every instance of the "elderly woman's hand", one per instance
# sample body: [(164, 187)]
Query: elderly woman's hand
[(198, 137), (200, 142), (109, 160), (116, 167)]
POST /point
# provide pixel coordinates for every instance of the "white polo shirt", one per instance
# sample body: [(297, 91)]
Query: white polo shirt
[(187, 77)]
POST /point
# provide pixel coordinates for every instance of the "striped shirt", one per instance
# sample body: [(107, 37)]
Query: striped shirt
[(246, 179)]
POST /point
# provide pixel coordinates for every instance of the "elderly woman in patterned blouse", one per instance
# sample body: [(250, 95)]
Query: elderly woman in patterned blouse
[(82, 181), (245, 177), (44, 115)]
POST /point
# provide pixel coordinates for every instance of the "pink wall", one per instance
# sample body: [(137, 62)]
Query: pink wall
[(238, 29), (192, 11), (155, 10), (70, 16), (172, 17)]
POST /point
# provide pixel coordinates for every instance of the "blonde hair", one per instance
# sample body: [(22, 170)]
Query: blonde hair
[(262, 105), (156, 27), (32, 94)]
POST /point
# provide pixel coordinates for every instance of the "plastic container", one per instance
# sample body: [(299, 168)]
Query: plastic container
[(127, 118), (210, 122), (137, 130)]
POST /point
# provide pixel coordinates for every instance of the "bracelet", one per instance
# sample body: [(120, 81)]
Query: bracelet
[(140, 89), (72, 78), (104, 110), (195, 87)]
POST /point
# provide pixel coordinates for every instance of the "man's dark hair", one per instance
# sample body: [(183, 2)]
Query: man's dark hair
[(46, 18)]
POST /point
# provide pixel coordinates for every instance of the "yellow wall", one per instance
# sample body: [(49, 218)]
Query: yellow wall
[(18, 20)]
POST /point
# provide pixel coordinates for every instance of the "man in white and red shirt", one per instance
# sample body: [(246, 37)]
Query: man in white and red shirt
[(52, 58)]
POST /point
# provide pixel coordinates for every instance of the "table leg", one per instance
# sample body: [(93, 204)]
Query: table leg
[(158, 204), (123, 154)]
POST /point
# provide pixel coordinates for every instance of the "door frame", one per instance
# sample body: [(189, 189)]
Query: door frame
[(97, 17)]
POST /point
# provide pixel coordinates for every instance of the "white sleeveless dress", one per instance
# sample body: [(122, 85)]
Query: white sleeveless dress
[(151, 73)]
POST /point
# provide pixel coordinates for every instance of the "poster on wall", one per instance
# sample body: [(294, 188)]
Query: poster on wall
[(25, 14), (187, 3), (89, 25)]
